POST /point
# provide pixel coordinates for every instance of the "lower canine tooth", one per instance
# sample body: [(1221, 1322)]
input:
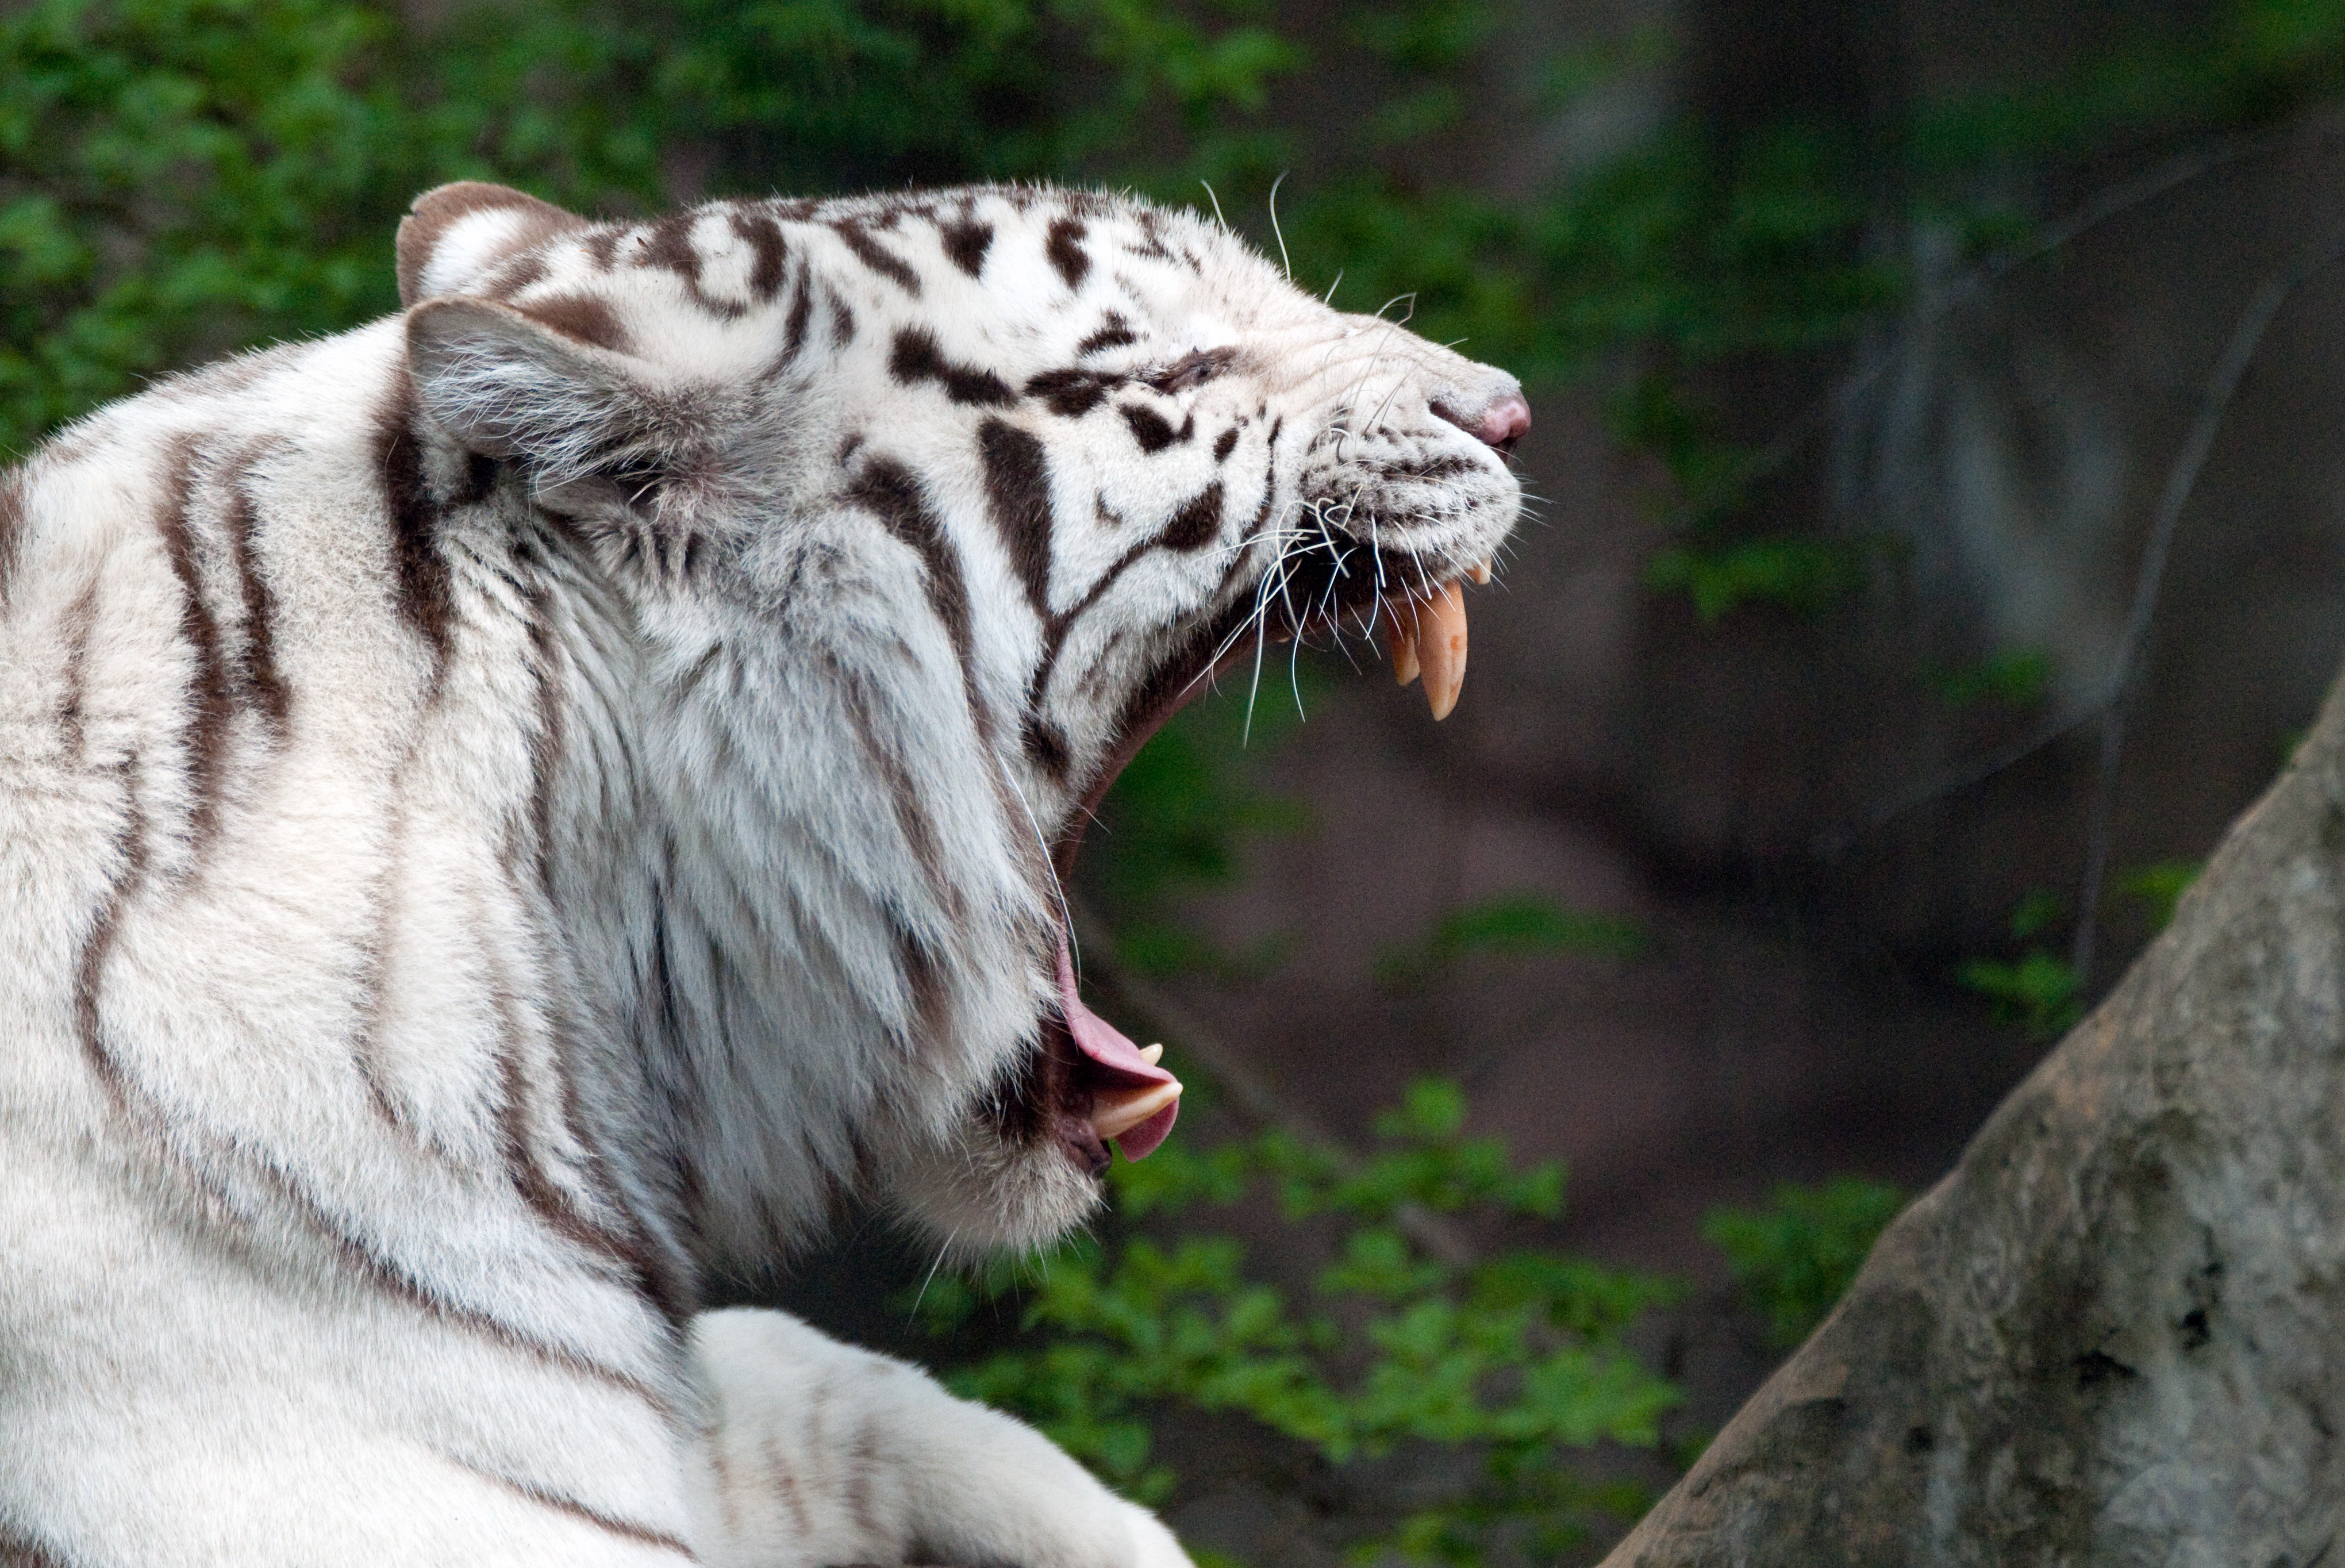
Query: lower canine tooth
[(1441, 646), (1116, 1112), (1152, 1055)]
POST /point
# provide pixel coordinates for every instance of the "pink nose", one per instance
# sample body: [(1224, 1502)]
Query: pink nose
[(1503, 423)]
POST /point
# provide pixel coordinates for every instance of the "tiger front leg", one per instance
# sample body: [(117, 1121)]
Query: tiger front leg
[(817, 1455)]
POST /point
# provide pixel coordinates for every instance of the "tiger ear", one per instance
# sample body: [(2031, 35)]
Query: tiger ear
[(509, 386), (456, 235)]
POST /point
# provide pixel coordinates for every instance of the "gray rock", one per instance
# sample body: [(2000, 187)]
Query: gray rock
[(2116, 1333)]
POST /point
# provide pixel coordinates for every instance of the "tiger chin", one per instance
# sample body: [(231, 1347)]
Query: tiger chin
[(513, 808)]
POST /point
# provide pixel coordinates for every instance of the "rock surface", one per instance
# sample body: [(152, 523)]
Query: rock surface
[(2116, 1333)]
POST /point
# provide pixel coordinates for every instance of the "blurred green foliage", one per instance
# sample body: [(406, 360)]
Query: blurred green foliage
[(1795, 1257), (2037, 990), (2159, 886), (1515, 1355), (2017, 677), (1520, 926)]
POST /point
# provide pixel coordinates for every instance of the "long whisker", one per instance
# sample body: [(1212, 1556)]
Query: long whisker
[(1216, 201), (1284, 264)]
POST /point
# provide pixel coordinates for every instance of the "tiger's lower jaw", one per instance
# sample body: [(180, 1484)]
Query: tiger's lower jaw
[(992, 1193)]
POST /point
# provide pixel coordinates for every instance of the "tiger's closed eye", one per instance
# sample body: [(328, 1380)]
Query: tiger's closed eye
[(1192, 370)]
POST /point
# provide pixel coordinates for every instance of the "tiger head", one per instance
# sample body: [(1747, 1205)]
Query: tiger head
[(915, 516)]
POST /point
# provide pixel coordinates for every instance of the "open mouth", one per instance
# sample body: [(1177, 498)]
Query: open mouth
[(1108, 1090)]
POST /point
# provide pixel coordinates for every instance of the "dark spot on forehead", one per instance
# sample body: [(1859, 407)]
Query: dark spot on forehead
[(1224, 444), (876, 256), (588, 319), (966, 240), (1065, 249), (1151, 430), (670, 246), (916, 358), (1115, 332), (602, 247), (1071, 393), (1152, 237)]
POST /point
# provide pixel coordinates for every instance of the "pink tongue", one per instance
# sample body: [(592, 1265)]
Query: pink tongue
[(1105, 1045)]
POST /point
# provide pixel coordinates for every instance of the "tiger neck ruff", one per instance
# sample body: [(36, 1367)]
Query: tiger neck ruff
[(509, 808)]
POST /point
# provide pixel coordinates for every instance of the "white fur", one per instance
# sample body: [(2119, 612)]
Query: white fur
[(493, 825)]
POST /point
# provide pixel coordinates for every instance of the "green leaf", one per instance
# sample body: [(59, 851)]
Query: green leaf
[(1795, 1257)]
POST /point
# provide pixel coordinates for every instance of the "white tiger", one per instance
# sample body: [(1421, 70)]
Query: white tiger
[(511, 807)]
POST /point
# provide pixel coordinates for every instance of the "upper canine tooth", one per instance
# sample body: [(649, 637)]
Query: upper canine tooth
[(1481, 573), (1116, 1112), (1403, 641), (1441, 646)]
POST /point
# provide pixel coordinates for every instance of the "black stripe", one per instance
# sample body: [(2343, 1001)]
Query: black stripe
[(1152, 226), (1018, 495), (415, 517), (889, 490), (264, 688), (547, 666), (366, 979), (75, 627), (1054, 636), (862, 1454), (1065, 249), (670, 246), (1224, 444), (1198, 523), (924, 974), (1072, 394), (1046, 745), (89, 967), (785, 1482), (876, 256), (763, 237), (842, 321), (649, 1272), (387, 1276), (912, 816), (208, 705), (966, 241), (643, 1534), (801, 309), (584, 317), (1151, 430), (916, 358), (514, 276), (1113, 333)]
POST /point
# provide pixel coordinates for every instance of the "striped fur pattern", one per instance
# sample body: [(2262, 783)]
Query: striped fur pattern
[(510, 809)]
